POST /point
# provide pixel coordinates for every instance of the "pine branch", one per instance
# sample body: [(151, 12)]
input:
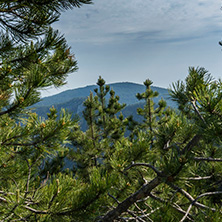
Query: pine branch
[(198, 113), (193, 142), (28, 178), (208, 159), (173, 205), (29, 19), (122, 207), (16, 104), (195, 178), (195, 200), (145, 165), (81, 207), (190, 198), (36, 211)]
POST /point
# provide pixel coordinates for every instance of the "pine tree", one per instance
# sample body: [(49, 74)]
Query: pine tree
[(181, 166), (106, 126), (33, 57)]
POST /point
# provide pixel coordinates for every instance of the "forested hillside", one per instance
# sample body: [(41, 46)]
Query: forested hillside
[(72, 100)]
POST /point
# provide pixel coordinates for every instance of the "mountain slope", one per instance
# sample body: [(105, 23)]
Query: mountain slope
[(125, 90), (72, 100)]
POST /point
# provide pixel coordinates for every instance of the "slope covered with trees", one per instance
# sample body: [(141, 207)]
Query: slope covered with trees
[(72, 100), (168, 168), (125, 90)]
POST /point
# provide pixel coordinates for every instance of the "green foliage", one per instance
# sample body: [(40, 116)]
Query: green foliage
[(105, 128), (167, 169), (171, 145), (30, 19)]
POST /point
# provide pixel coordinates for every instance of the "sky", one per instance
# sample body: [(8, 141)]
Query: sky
[(135, 40)]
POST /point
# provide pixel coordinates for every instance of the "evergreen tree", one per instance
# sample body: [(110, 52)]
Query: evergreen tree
[(33, 57), (170, 169), (106, 126), (181, 167)]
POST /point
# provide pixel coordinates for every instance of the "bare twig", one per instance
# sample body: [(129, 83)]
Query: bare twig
[(173, 205), (195, 178), (145, 165), (142, 212), (36, 211), (194, 201), (3, 199), (147, 215), (135, 216), (143, 192), (209, 159), (28, 178), (113, 197), (190, 198), (197, 111)]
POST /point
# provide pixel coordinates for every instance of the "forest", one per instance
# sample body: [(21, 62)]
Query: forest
[(165, 167)]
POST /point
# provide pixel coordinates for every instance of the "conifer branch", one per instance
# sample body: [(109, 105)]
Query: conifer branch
[(145, 165), (197, 111), (173, 205), (190, 198), (193, 142), (16, 104), (195, 200), (122, 207), (36, 211), (28, 178), (208, 159), (196, 178)]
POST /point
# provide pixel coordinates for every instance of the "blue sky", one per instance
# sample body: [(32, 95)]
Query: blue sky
[(132, 40)]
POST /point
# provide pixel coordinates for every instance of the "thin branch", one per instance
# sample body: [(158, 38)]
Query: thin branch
[(174, 205), (190, 198), (3, 199), (135, 216), (197, 111), (143, 192), (209, 159), (113, 197), (195, 178), (36, 211), (194, 141), (147, 215), (142, 211), (145, 165), (208, 194), (194, 201), (28, 178)]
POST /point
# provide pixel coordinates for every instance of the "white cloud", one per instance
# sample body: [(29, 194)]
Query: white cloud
[(113, 20)]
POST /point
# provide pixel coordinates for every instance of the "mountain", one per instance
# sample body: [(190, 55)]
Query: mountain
[(72, 100), (125, 90)]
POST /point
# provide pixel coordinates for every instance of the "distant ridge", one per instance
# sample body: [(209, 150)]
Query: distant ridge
[(72, 100), (125, 90)]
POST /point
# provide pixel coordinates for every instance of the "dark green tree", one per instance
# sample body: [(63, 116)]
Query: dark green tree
[(106, 126), (33, 57), (170, 169), (181, 168)]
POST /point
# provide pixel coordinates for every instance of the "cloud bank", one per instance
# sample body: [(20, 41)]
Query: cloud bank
[(132, 20)]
